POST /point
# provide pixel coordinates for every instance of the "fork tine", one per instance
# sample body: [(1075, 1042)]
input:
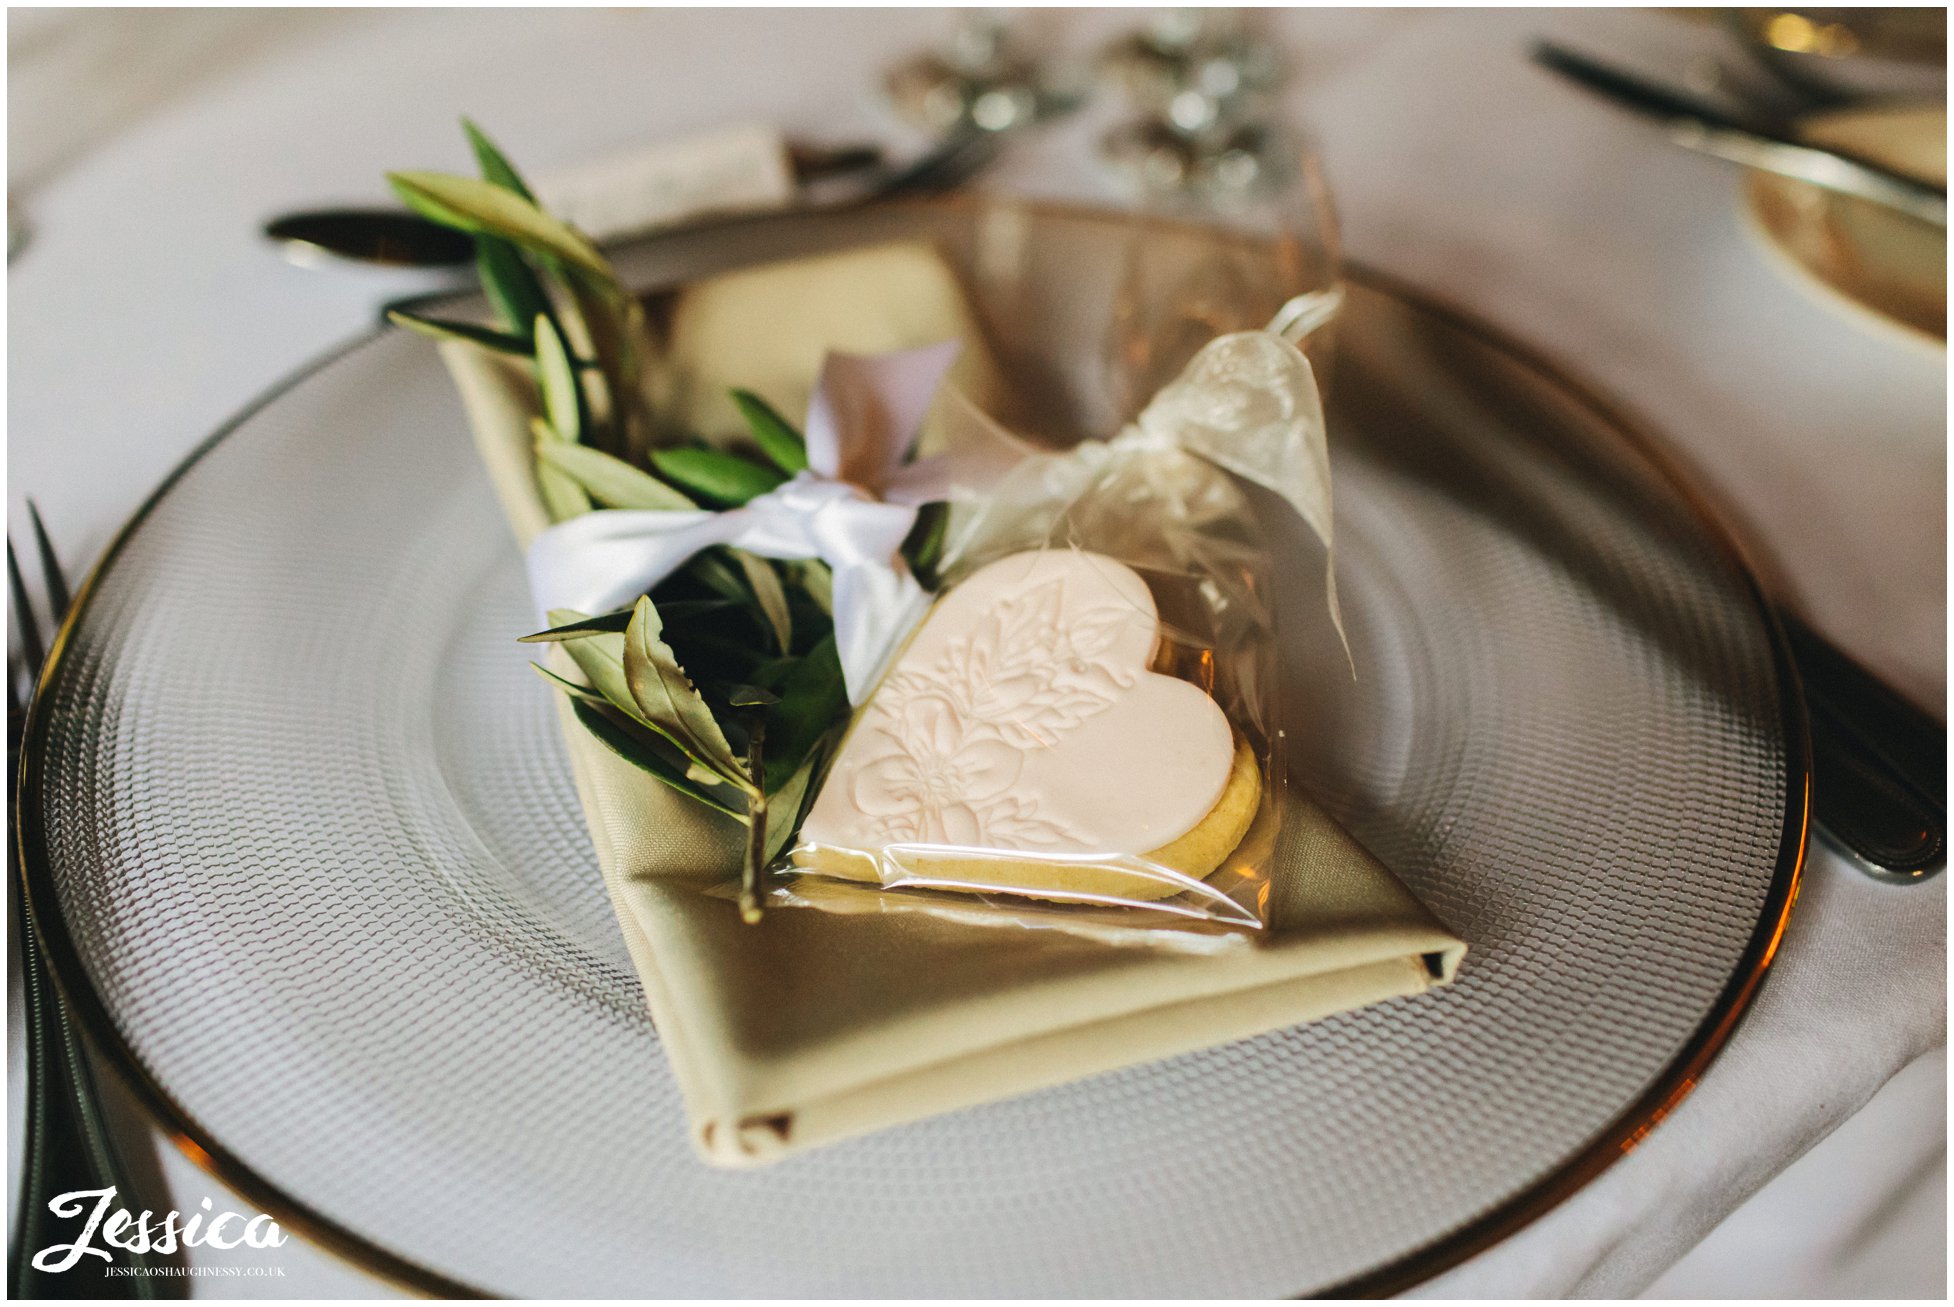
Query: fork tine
[(971, 155), (57, 584), (16, 707), (942, 166), (24, 619)]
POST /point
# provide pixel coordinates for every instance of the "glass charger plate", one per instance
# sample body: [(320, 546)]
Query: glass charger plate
[(302, 835)]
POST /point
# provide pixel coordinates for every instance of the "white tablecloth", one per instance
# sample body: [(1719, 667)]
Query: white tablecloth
[(146, 146)]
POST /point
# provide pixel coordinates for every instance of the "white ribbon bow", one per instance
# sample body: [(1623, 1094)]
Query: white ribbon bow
[(852, 508), (1247, 402)]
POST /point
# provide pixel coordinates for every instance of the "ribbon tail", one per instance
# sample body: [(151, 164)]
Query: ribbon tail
[(601, 561), (867, 410), (1336, 609), (978, 452), (876, 605), (1306, 314)]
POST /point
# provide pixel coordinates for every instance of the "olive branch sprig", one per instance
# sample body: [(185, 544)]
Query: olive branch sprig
[(748, 728)]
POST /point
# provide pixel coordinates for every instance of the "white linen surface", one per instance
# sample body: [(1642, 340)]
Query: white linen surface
[(145, 147)]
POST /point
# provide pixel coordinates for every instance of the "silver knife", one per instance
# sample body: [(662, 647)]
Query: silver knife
[(393, 236), (1697, 125)]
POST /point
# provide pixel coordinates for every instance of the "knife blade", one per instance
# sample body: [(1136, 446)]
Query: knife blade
[(1879, 763), (1698, 125), (394, 237)]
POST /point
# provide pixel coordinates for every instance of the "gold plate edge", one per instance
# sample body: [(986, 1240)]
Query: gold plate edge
[(1481, 1233)]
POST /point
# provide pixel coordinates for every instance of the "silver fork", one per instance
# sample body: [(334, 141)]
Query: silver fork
[(68, 1144)]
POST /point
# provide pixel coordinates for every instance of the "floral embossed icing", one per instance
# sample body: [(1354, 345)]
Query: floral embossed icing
[(1023, 716)]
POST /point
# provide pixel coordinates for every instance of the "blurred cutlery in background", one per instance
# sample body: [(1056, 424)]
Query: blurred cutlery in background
[(1697, 125), (1864, 254), (68, 1144), (1202, 86), (737, 170), (984, 77), (392, 238), (945, 166), (1879, 764)]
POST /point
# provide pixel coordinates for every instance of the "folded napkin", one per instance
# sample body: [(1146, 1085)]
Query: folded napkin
[(810, 1026)]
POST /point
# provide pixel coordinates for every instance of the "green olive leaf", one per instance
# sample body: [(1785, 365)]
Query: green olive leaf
[(518, 296), (704, 775), (577, 629), (582, 693), (785, 809), (772, 433), (784, 806), (614, 623), (563, 496), (771, 596), (601, 659), (813, 701), (713, 571), (667, 701), (608, 479), (444, 329), (608, 320), (495, 167), (643, 753), (924, 546), (818, 581), (611, 327), (558, 379), (721, 479), (473, 205)]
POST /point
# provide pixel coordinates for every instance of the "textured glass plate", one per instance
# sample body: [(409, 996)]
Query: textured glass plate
[(322, 880)]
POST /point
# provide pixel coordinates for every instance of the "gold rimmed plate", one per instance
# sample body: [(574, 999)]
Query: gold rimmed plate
[(299, 829)]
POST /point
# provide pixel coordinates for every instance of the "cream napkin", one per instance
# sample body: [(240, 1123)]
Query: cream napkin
[(813, 1026)]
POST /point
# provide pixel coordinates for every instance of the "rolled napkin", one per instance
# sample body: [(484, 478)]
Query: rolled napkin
[(810, 1027)]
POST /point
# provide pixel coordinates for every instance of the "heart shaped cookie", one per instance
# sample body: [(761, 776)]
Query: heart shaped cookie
[(1024, 719)]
